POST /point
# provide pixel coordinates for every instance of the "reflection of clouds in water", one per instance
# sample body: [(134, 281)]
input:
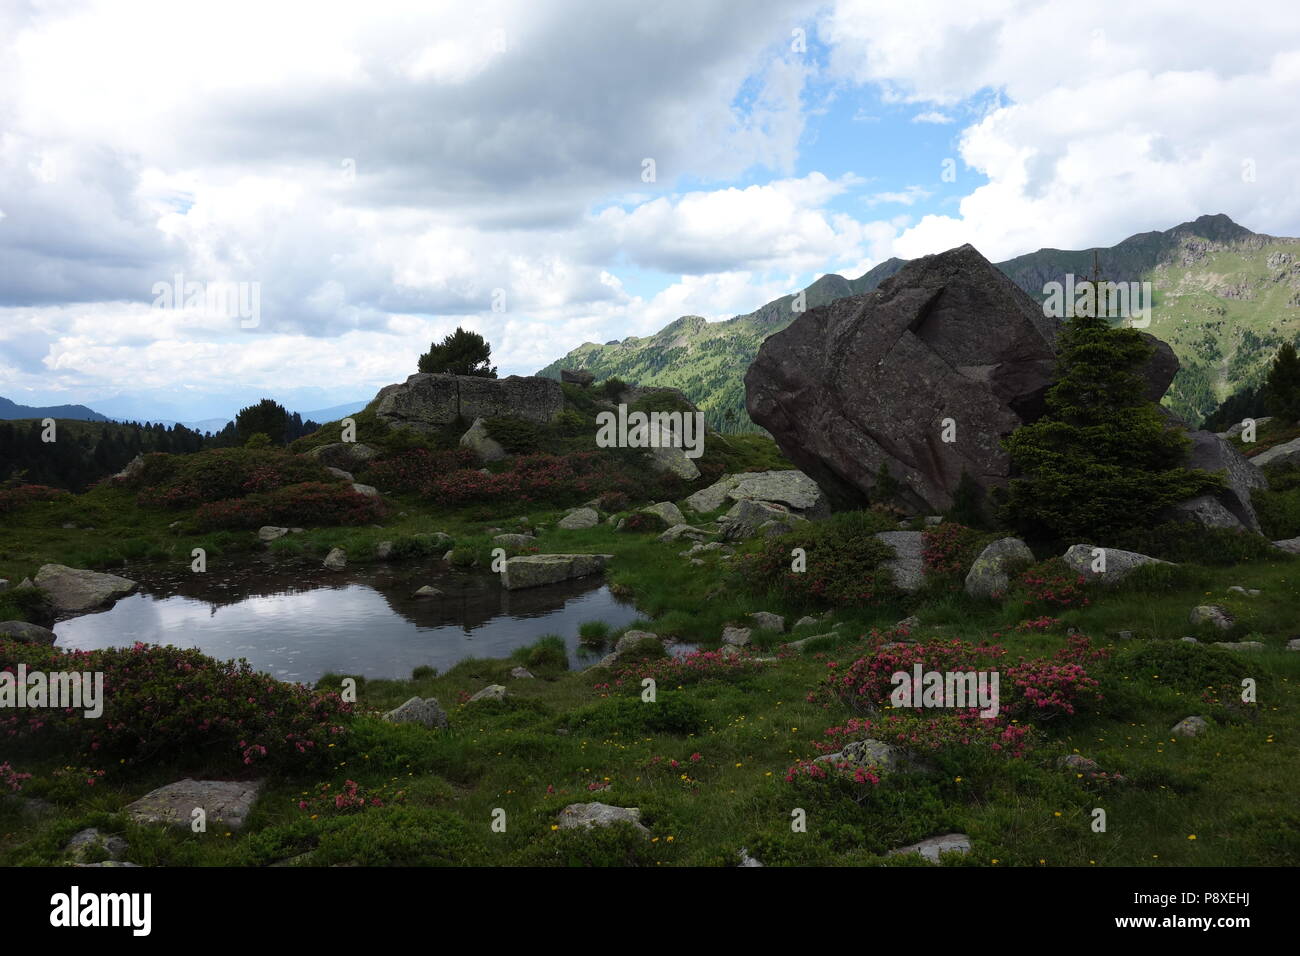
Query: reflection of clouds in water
[(304, 632)]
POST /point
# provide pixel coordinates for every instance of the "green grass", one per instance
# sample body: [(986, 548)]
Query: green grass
[(566, 737)]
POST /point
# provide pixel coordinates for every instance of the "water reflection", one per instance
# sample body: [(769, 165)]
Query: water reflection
[(300, 622)]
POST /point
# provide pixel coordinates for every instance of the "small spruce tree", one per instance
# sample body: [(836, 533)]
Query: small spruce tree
[(461, 353), (1102, 459), (1282, 388)]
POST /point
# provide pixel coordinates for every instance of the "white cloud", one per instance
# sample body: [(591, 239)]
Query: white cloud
[(932, 116)]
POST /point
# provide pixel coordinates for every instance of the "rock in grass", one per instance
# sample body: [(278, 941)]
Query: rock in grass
[(932, 847), (866, 753), (477, 439), (1215, 614), (1118, 564), (667, 512), (1249, 592), (578, 519), (86, 842), (520, 673), (426, 712), (514, 540), (632, 639), (26, 633), (1190, 727), (806, 619), (270, 533), (368, 491), (1239, 645), (71, 590), (225, 802), (336, 560), (767, 621), (589, 815), (1289, 545), (746, 859), (990, 575), (1293, 644), (736, 636), (383, 550), (490, 692), (1079, 763)]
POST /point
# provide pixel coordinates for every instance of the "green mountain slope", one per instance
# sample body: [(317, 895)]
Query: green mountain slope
[(1224, 298)]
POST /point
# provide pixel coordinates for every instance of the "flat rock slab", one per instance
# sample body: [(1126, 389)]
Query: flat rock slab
[(577, 815), (579, 518), (931, 847), (226, 802), (790, 487), (534, 570), (72, 590)]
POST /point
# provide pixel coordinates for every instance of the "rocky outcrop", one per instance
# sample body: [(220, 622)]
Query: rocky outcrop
[(1231, 507), (748, 518), (534, 570), (792, 489), (579, 377), (908, 564), (426, 402), (343, 455), (74, 591), (872, 380), (1288, 453)]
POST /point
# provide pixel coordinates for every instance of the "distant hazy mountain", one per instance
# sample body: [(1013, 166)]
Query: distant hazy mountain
[(11, 410), (1225, 299)]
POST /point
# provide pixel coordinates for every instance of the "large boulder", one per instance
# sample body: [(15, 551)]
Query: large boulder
[(908, 564), (1117, 564), (477, 439), (534, 570), (869, 380), (74, 591), (588, 815), (791, 488), (1288, 453), (426, 712), (25, 633), (426, 402), (748, 518), (1240, 476)]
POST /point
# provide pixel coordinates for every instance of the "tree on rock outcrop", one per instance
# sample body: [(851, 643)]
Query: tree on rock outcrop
[(461, 353), (1103, 458)]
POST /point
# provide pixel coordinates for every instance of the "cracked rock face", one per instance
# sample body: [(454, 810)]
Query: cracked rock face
[(871, 379), (425, 401)]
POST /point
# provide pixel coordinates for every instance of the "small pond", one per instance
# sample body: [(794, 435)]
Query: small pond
[(300, 622)]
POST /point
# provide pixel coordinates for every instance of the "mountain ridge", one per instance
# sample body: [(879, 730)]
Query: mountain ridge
[(1205, 275)]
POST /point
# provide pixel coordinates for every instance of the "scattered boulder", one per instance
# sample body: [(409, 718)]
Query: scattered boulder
[(477, 439), (684, 531), (991, 572), (490, 692), (580, 377), (89, 841), (736, 636), (804, 641), (226, 802), (1249, 592), (806, 619), (866, 753), (1079, 763), (435, 539), (791, 488), (667, 454), (383, 551), (909, 623), (427, 591), (632, 639), (588, 815), (1215, 614), (579, 518), (748, 517), (427, 402), (908, 564), (426, 712), (269, 533), (534, 570), (767, 621), (667, 512), (1239, 645), (520, 673), (1293, 644), (932, 847), (346, 456), (369, 491), (514, 540), (336, 560), (746, 859), (1190, 727), (74, 591), (25, 633), (1118, 564), (340, 473), (1287, 453)]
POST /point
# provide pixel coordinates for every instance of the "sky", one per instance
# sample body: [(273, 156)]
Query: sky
[(332, 186)]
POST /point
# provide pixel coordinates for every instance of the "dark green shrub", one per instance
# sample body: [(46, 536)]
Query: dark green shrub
[(519, 436), (845, 563), (616, 845), (1179, 664), (1184, 542), (546, 652), (631, 717)]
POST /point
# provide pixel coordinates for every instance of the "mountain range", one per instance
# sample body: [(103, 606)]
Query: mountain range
[(10, 410), (1223, 297)]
